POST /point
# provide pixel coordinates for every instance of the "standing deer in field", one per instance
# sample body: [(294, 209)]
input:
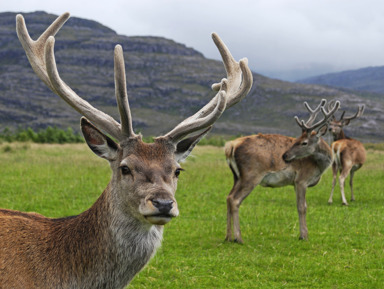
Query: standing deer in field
[(273, 160), (349, 154), (105, 246)]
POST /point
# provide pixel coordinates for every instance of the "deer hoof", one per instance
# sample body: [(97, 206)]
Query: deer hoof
[(238, 241), (228, 239), (345, 204)]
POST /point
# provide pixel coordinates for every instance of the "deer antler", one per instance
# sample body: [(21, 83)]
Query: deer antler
[(41, 56), (308, 125), (230, 91), (121, 93), (314, 112), (360, 110), (359, 113)]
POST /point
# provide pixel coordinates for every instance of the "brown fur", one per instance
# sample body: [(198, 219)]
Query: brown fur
[(83, 251), (34, 247)]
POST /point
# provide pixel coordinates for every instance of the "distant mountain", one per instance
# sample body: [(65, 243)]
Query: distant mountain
[(365, 79), (167, 82)]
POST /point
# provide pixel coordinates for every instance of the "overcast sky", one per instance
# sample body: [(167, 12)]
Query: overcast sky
[(277, 36)]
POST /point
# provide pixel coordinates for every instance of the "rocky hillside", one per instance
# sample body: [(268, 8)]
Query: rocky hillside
[(167, 82)]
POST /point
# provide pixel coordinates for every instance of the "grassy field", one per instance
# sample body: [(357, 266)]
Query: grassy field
[(345, 247)]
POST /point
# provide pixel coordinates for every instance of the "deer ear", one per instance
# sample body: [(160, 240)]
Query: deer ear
[(322, 130), (185, 147), (345, 122), (99, 143)]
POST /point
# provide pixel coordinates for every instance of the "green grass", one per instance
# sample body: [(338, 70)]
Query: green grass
[(345, 247)]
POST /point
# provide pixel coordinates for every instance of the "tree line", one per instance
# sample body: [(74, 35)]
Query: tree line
[(47, 135), (61, 136)]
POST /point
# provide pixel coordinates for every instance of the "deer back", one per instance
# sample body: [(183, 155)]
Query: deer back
[(349, 150)]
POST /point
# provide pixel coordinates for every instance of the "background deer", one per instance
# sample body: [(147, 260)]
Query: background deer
[(275, 161), (105, 246), (349, 154)]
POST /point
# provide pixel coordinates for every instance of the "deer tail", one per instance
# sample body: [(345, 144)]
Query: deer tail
[(229, 150)]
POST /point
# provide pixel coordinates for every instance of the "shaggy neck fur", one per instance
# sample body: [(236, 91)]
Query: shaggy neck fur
[(106, 251), (340, 136)]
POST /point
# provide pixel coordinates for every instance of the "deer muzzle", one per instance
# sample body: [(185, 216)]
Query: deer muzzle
[(159, 210), (287, 157)]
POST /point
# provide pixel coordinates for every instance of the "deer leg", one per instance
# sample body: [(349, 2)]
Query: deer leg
[(334, 171), (342, 177), (301, 203), (351, 183), (229, 212), (238, 193)]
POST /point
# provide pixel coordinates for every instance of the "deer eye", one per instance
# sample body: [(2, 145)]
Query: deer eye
[(304, 143), (177, 172), (125, 170)]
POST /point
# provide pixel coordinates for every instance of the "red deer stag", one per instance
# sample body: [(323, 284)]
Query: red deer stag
[(349, 154), (105, 246), (273, 160)]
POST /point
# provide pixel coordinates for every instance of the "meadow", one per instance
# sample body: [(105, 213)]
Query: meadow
[(345, 247)]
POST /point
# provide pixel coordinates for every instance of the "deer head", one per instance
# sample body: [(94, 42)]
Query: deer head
[(336, 126), (144, 175), (309, 141)]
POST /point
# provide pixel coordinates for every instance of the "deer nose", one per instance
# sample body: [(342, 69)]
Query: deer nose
[(286, 158), (164, 206)]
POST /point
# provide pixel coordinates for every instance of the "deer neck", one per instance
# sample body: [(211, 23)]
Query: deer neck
[(323, 155), (341, 135), (116, 245)]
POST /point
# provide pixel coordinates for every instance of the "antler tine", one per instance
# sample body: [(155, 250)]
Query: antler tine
[(238, 73), (121, 93), (192, 124), (331, 104), (299, 122), (314, 112), (35, 49), (342, 115), (41, 56), (99, 118), (359, 113), (230, 90)]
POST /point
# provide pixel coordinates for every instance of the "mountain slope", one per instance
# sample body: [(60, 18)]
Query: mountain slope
[(167, 82), (365, 79)]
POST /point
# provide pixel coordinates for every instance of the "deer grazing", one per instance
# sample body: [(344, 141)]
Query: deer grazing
[(105, 246), (349, 154), (273, 160)]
